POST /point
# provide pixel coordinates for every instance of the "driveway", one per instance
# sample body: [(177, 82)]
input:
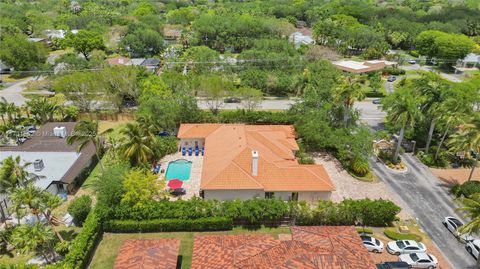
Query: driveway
[(429, 202)]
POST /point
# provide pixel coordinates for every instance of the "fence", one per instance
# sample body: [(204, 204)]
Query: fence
[(108, 116)]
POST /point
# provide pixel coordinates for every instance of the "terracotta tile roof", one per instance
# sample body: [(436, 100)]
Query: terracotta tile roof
[(227, 163), (318, 247), (148, 254), (119, 61)]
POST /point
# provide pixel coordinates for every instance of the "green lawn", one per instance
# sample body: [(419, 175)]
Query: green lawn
[(107, 250)]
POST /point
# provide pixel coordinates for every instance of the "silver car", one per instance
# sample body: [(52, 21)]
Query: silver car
[(419, 260), (452, 224)]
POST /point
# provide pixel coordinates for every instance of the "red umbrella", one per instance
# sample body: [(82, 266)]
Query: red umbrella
[(174, 184)]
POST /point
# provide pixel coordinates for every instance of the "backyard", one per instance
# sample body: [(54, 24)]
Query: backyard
[(106, 252)]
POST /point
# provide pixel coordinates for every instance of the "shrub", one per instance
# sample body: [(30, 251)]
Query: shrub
[(466, 189), (393, 71), (79, 209), (394, 235), (373, 94), (360, 167), (364, 230), (169, 225), (84, 244)]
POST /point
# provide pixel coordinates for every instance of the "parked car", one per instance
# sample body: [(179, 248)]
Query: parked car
[(393, 265), (377, 101), (391, 78), (419, 260), (405, 247), (232, 100), (452, 224), (372, 243), (473, 247), (412, 61)]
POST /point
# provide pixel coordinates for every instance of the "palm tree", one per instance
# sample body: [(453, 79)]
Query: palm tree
[(136, 144), (403, 110), (467, 140), (42, 109), (37, 238), (471, 206), (431, 88), (14, 174), (86, 131), (347, 92), (3, 109)]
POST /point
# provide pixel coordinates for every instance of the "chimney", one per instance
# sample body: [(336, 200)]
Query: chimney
[(254, 163)]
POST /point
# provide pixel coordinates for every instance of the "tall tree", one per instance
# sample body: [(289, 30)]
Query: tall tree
[(85, 132), (136, 144), (37, 238), (17, 52), (13, 173), (347, 92), (467, 140), (471, 208), (403, 110), (84, 42)]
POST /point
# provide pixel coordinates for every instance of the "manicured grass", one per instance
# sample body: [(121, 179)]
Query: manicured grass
[(107, 250), (364, 230), (393, 234)]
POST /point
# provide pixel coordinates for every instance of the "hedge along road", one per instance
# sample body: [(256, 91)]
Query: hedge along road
[(429, 202)]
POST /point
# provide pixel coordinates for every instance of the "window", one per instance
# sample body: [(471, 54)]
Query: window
[(268, 195), (294, 196)]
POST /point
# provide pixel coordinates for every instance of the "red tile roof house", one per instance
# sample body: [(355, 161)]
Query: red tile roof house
[(315, 247), (246, 161)]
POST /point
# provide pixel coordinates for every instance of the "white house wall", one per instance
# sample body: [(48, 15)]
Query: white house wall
[(310, 197), (190, 143)]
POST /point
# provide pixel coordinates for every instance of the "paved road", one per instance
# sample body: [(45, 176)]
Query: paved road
[(430, 203), (370, 113), (13, 93), (451, 77)]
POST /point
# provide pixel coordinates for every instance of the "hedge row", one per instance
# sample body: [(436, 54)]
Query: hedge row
[(378, 213), (401, 236), (168, 225), (84, 244)]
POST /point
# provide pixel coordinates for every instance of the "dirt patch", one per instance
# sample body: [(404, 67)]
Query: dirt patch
[(454, 176), (349, 187)]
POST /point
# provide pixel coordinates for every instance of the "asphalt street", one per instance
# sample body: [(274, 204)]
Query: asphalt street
[(430, 202)]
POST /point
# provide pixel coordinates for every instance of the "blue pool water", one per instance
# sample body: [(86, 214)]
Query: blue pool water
[(179, 169)]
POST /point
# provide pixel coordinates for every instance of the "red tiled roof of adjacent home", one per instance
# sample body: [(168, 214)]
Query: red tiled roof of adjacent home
[(227, 163), (148, 254), (316, 247)]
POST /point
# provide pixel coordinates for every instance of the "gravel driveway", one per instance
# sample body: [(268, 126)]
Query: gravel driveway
[(350, 187)]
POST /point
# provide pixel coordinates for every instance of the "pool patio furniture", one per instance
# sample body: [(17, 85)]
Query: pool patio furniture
[(203, 151), (190, 151), (178, 192), (184, 151), (197, 151), (174, 184)]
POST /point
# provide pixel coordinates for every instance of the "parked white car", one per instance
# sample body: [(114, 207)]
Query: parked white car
[(419, 260), (473, 247), (405, 247), (452, 224), (372, 244)]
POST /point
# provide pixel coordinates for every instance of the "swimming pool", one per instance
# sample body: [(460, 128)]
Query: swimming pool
[(179, 169)]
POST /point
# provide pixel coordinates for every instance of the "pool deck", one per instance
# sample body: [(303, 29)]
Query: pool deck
[(192, 186)]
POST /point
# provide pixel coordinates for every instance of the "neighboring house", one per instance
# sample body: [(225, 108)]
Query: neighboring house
[(149, 254), (151, 64), (58, 163), (471, 60), (137, 61), (172, 34), (299, 39), (247, 161), (60, 34), (320, 247), (119, 61), (363, 67)]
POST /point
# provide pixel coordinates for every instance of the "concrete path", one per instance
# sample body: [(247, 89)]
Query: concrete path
[(430, 202)]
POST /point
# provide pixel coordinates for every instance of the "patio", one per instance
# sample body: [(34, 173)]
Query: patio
[(192, 186)]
